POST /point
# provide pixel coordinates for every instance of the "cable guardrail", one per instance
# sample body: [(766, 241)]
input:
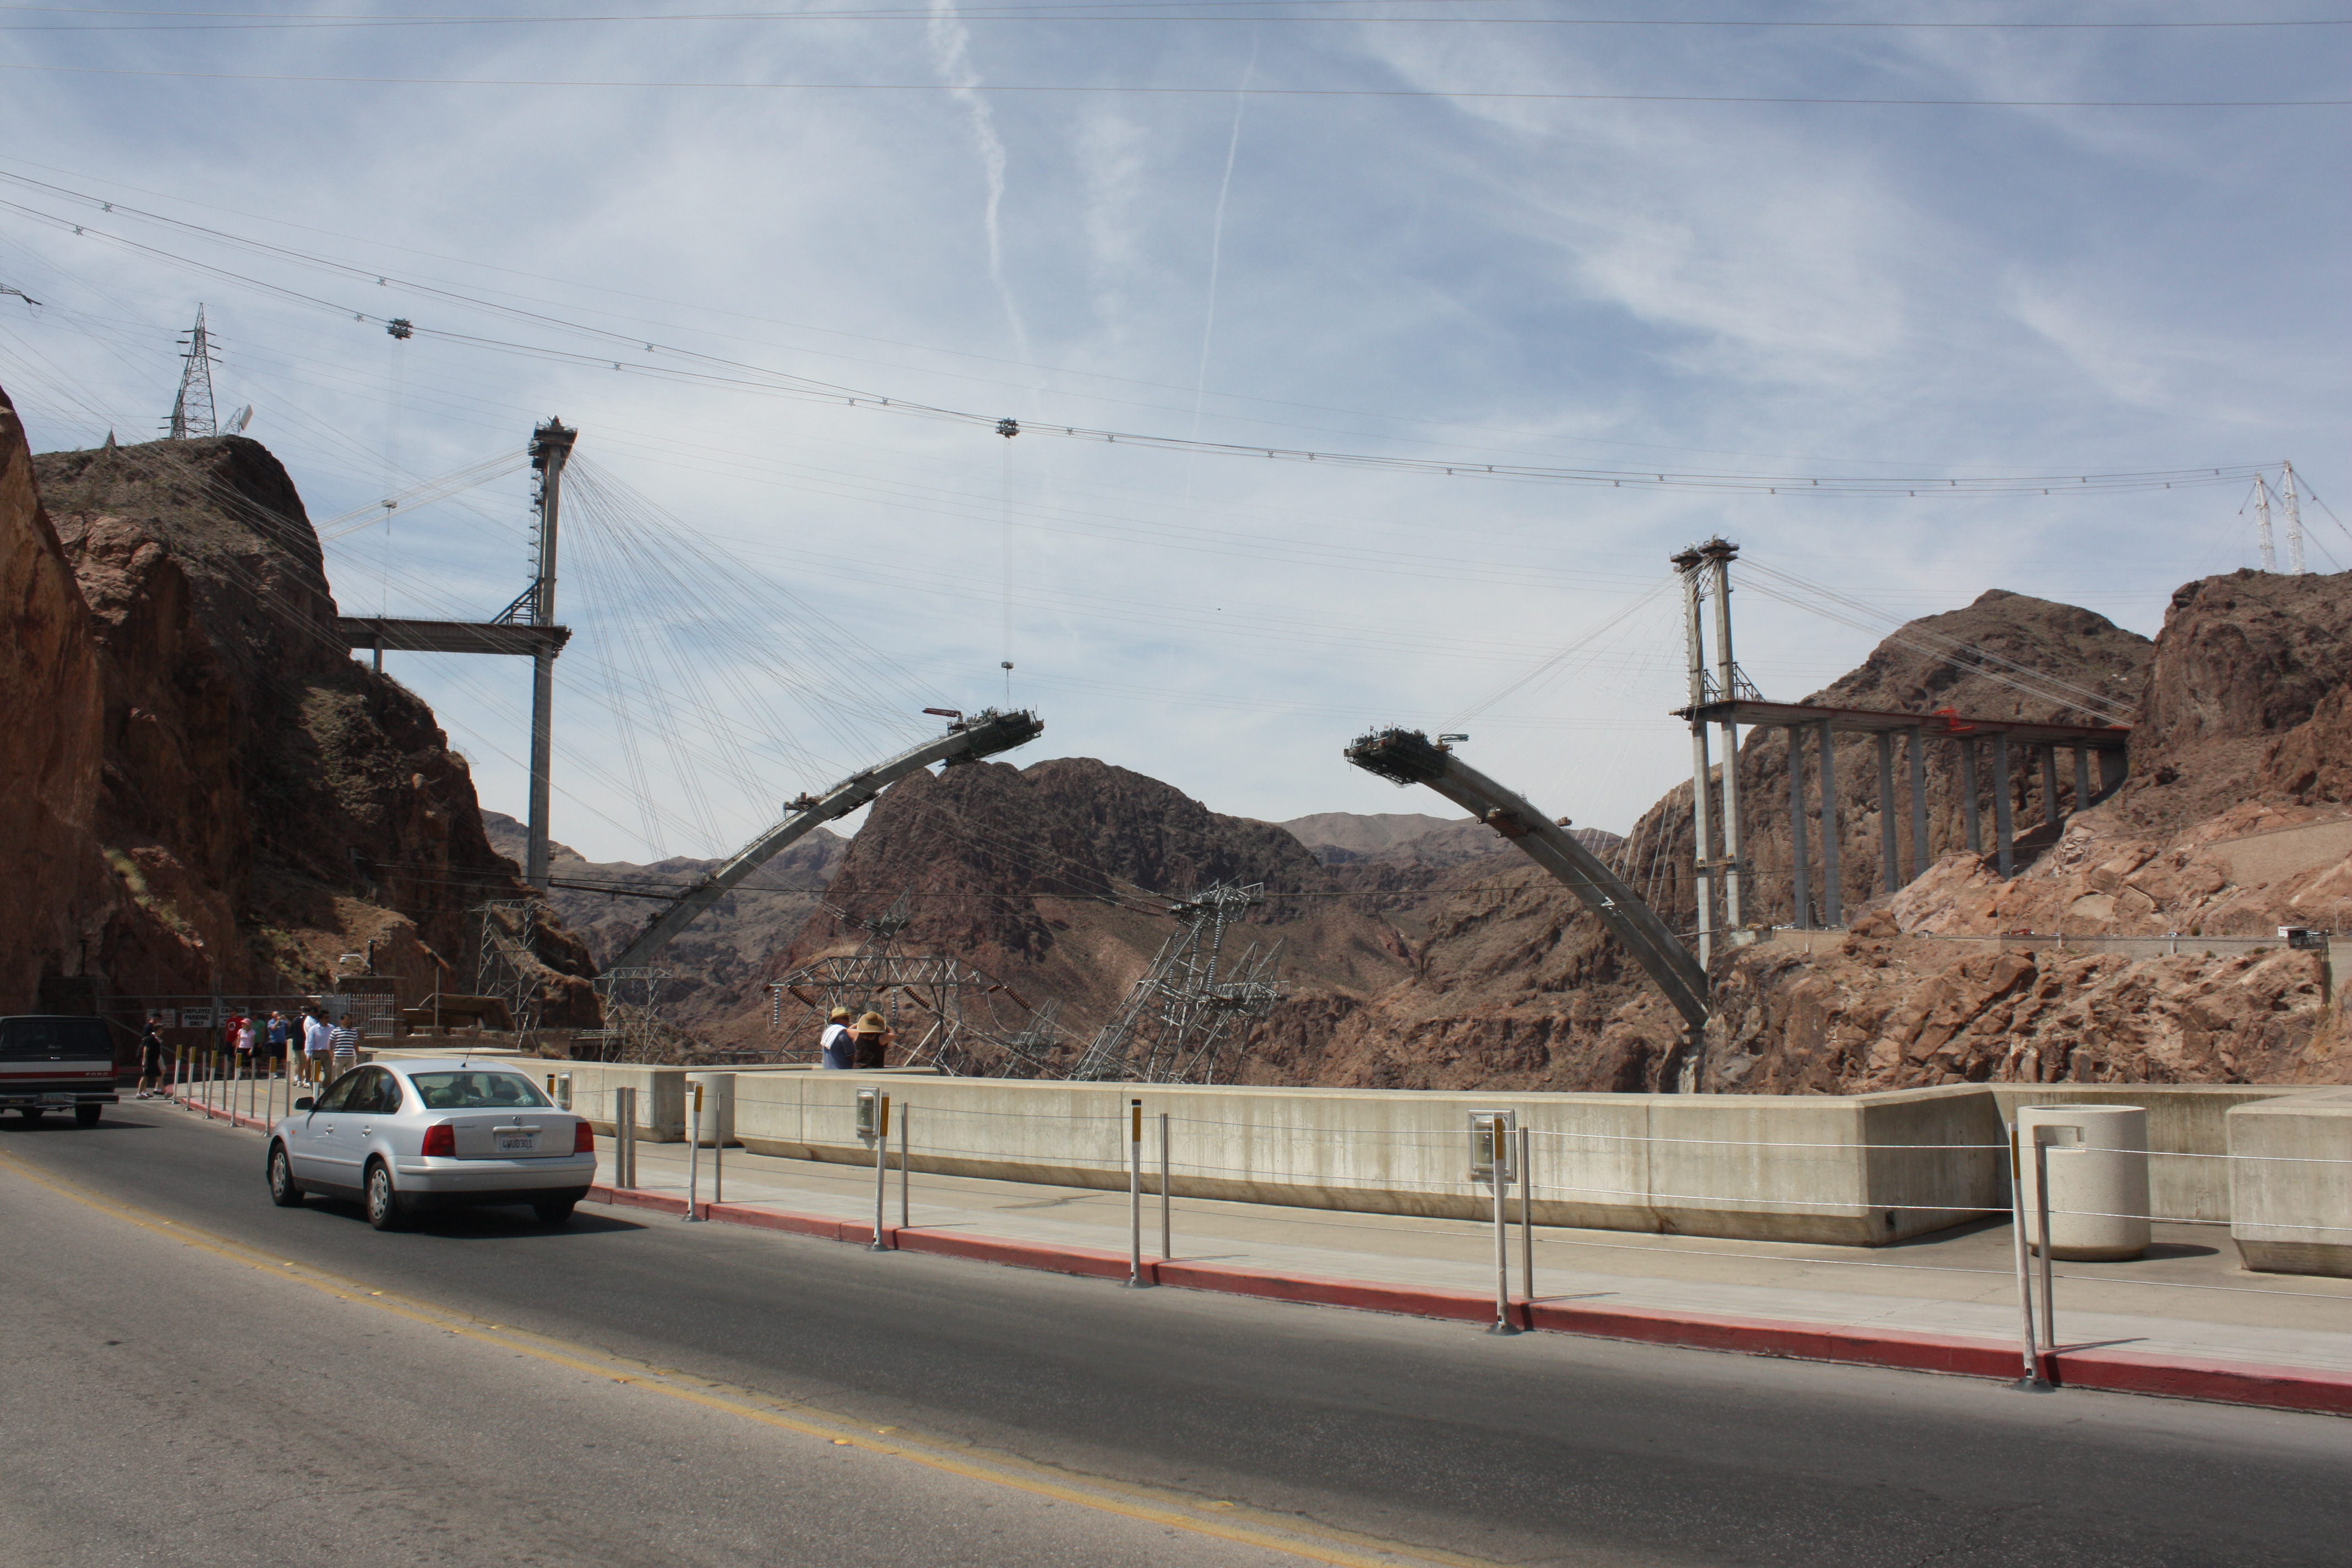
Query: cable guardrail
[(832, 1127)]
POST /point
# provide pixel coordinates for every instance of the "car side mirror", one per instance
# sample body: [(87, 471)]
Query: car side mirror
[(305, 1103)]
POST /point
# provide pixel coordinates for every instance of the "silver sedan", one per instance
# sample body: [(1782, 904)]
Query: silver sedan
[(407, 1136)]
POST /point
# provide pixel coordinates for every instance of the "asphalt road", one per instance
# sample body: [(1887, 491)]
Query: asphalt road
[(191, 1375)]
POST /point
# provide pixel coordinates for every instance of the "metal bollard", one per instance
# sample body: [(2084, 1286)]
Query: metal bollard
[(906, 1117), (2042, 1198), (1528, 1220), (624, 1137), (694, 1156), (881, 1167), (2031, 1380), (1167, 1228), (1502, 1324), (1135, 1278)]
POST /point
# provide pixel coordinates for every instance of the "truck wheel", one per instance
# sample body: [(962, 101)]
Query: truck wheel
[(88, 1115), (383, 1198), (282, 1190)]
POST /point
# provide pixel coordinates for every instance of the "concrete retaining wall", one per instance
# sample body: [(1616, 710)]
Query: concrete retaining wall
[(1854, 1170), (2186, 1125), (2293, 1196)]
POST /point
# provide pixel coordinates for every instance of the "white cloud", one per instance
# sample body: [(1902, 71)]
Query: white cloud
[(1725, 286)]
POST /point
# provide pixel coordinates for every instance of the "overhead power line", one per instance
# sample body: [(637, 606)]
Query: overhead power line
[(634, 354), (1252, 11), (1059, 89)]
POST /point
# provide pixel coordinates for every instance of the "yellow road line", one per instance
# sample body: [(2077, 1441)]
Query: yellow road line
[(1173, 1509)]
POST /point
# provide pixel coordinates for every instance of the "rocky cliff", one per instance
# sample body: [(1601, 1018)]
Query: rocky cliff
[(265, 804), (2232, 822), (49, 857)]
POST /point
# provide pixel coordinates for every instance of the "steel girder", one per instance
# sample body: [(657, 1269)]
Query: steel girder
[(967, 740), (1408, 756)]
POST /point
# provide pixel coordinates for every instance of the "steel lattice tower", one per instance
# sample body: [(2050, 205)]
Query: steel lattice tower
[(191, 411)]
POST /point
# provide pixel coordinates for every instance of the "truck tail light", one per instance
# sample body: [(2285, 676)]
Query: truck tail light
[(441, 1139), (583, 1138)]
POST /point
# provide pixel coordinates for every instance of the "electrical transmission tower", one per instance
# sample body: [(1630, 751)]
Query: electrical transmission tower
[(505, 965), (635, 1030), (191, 411), (1178, 1023), (949, 1018)]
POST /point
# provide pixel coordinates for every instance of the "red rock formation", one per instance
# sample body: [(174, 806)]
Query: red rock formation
[(266, 803), (49, 767)]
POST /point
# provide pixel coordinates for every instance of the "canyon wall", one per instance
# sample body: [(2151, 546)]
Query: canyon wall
[(259, 803)]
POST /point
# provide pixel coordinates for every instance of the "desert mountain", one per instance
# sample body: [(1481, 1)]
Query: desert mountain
[(1054, 878), (229, 800)]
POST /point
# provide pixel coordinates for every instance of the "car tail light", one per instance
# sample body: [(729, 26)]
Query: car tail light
[(441, 1139), (583, 1138)]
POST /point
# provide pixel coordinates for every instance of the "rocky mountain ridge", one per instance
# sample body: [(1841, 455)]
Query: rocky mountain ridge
[(244, 803)]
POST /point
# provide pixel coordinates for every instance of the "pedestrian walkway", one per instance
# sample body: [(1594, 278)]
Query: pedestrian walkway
[(2186, 1304), (2184, 1320)]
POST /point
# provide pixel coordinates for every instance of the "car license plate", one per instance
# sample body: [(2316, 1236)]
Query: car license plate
[(57, 1099), (517, 1143)]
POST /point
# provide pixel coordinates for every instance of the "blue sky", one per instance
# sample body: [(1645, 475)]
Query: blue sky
[(1454, 231)]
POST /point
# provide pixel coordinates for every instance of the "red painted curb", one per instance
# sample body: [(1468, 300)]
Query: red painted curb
[(2221, 1383), (2120, 1372), (1086, 1261)]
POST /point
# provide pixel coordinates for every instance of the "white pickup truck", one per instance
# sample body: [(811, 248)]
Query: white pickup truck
[(56, 1063)]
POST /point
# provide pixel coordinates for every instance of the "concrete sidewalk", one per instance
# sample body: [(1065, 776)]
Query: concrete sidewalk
[(2184, 1320)]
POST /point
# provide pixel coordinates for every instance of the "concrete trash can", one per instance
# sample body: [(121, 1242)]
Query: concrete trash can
[(2098, 1180), (717, 1107)]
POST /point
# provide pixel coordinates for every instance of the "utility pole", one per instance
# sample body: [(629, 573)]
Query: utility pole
[(551, 448), (2294, 518), (192, 410)]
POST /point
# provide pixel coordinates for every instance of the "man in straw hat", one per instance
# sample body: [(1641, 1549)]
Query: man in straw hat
[(835, 1047)]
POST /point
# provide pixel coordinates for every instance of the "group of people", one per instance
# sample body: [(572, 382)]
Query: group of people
[(844, 1045), (326, 1053)]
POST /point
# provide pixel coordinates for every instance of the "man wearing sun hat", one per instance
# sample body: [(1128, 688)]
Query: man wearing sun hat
[(836, 1046)]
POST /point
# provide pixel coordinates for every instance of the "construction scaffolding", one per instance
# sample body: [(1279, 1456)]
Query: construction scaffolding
[(1178, 1023)]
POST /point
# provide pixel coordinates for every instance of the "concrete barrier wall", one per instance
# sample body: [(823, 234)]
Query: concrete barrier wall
[(1856, 1170), (1847, 1170), (2188, 1127), (2292, 1196)]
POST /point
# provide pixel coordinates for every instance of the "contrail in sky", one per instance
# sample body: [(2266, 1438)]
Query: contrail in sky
[(950, 43), (1217, 232)]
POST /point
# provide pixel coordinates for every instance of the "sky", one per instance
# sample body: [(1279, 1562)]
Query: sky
[(1666, 266)]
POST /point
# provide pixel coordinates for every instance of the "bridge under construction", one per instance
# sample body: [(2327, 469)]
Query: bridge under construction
[(1991, 753)]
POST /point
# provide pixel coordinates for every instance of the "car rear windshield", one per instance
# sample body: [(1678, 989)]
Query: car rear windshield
[(38, 1039), (475, 1090)]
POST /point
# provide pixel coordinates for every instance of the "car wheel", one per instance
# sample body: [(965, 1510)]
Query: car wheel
[(558, 1212), (282, 1190), (382, 1199), (87, 1115)]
